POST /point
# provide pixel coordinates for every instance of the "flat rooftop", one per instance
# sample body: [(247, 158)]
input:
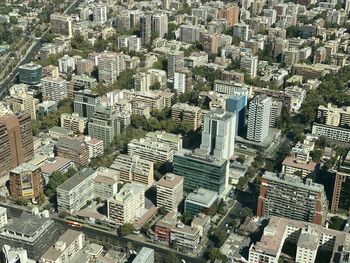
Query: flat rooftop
[(202, 197), (76, 179)]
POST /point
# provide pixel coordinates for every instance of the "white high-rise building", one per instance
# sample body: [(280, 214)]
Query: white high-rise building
[(175, 61), (259, 118), (110, 65), (127, 204), (218, 135), (250, 65), (160, 24), (54, 88), (66, 64), (100, 13)]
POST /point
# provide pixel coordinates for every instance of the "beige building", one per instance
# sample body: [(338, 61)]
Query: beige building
[(127, 205), (334, 116), (170, 192), (184, 112), (106, 183), (73, 122), (172, 140), (134, 169), (66, 247), (24, 102)]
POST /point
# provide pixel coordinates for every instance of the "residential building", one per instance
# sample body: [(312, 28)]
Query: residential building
[(3, 217), (250, 65), (95, 146), (172, 140), (57, 132), (146, 29), (54, 88), (334, 116), (106, 183), (65, 248), (307, 238), (209, 42), (190, 33), (66, 64), (146, 255), (218, 134), (331, 132), (73, 149), (85, 103), (24, 102), (320, 55), (30, 232), (201, 201), (104, 125), (151, 150), (26, 181), (73, 194), (241, 31), (214, 171), (110, 65), (30, 74), (184, 112), (292, 165), (259, 118), (275, 112), (175, 62), (134, 169), (160, 24), (16, 141), (288, 196), (57, 163), (182, 80), (74, 122), (100, 13), (229, 12), (127, 204), (170, 192), (61, 25)]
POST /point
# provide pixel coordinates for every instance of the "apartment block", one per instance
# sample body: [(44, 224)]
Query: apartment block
[(73, 149), (73, 194), (54, 88), (331, 132), (275, 112), (146, 255), (65, 248), (127, 204), (307, 238), (175, 61), (61, 25), (16, 141), (172, 140), (333, 116), (292, 165), (95, 146), (85, 103), (201, 201), (26, 181), (24, 102), (74, 122), (182, 80), (250, 65), (288, 196), (151, 150), (134, 169), (184, 112), (110, 65), (106, 183), (170, 192), (3, 217)]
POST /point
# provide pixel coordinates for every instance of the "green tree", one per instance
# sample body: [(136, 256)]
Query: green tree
[(172, 258), (126, 229), (185, 127), (337, 223), (215, 254), (219, 237), (186, 218)]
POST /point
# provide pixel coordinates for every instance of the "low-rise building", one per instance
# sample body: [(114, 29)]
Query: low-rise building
[(106, 183), (170, 139), (334, 133), (201, 201), (74, 122), (184, 112), (73, 149), (146, 255)]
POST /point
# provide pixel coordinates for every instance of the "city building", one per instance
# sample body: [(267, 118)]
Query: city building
[(110, 65), (30, 232), (66, 64), (146, 29), (201, 201), (170, 191), (160, 24), (16, 141), (73, 194), (241, 31), (146, 255), (73, 149), (3, 217), (172, 140), (26, 181), (275, 112), (182, 80), (151, 150), (104, 124), (30, 74), (95, 146), (288, 196), (334, 133), (134, 169), (65, 248), (175, 62), (106, 183), (100, 13), (127, 204), (74, 122), (259, 118), (218, 134), (334, 116), (213, 171), (184, 112), (292, 165), (85, 103), (308, 239), (250, 65), (24, 102), (54, 88), (237, 104), (61, 25), (229, 12)]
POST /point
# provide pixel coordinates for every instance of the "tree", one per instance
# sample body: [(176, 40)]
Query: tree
[(215, 254), (186, 218), (162, 210), (219, 237), (172, 258), (336, 223), (126, 229), (185, 127), (22, 201), (129, 245), (316, 155)]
